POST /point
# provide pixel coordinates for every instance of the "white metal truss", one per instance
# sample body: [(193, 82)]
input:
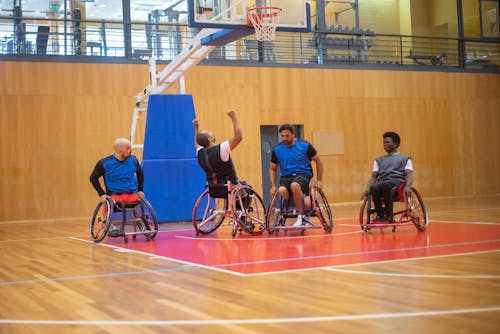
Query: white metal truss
[(190, 55)]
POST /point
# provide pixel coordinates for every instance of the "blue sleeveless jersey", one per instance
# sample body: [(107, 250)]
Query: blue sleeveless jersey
[(295, 159)]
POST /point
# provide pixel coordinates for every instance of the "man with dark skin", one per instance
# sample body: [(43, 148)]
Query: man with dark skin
[(389, 172)]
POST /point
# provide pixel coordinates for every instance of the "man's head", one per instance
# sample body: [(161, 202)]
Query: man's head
[(205, 138), (287, 133), (391, 141), (123, 148)]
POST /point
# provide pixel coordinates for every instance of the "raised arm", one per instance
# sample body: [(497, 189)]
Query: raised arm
[(196, 131), (237, 132)]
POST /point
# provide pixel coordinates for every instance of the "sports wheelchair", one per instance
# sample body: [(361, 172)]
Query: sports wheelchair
[(237, 204), (406, 211), (316, 212), (130, 218)]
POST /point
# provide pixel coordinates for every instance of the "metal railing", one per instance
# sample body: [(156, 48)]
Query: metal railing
[(36, 38)]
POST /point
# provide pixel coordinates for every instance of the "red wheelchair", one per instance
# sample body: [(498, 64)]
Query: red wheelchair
[(407, 210)]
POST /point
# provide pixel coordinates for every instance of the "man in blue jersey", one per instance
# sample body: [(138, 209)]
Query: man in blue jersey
[(123, 177), (389, 172), (293, 156)]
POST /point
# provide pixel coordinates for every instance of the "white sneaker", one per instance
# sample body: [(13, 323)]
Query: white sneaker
[(298, 222)]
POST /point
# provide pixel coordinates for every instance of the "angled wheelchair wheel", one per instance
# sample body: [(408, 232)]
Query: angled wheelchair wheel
[(249, 210), (418, 214), (275, 216), (148, 218), (322, 209), (208, 213), (366, 214), (101, 221)]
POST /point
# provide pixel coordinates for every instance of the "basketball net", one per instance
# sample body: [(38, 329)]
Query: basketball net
[(264, 20)]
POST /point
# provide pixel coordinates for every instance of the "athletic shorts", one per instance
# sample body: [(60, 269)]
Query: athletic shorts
[(301, 179)]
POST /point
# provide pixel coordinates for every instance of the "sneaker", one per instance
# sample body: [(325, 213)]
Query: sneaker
[(298, 222), (115, 232), (141, 226)]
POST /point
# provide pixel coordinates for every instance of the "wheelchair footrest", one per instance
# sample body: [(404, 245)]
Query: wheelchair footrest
[(386, 224), (291, 227), (141, 232)]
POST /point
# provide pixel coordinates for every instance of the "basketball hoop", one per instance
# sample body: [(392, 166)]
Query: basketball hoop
[(264, 20)]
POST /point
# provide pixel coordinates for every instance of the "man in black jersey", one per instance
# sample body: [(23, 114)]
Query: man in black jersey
[(215, 159), (389, 171)]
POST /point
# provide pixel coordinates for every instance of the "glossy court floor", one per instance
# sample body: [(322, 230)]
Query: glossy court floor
[(443, 280)]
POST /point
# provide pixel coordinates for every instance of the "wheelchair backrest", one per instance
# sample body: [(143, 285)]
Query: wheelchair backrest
[(218, 190)]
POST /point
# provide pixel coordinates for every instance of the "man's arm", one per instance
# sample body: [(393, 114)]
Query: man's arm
[(237, 132), (196, 130), (273, 167), (319, 171), (140, 179), (409, 181), (94, 179), (371, 181)]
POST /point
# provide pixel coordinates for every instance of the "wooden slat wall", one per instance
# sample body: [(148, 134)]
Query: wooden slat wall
[(57, 120)]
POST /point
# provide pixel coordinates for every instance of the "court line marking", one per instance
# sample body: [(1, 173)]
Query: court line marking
[(353, 264), (349, 317), (379, 273), (192, 265), (155, 256), (220, 267), (268, 238)]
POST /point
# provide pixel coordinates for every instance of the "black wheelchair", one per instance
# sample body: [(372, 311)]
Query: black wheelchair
[(236, 204), (128, 218), (407, 210), (316, 213)]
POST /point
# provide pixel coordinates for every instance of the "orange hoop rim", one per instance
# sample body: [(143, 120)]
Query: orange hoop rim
[(252, 12)]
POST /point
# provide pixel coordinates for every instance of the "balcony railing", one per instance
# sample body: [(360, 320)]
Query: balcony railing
[(37, 39)]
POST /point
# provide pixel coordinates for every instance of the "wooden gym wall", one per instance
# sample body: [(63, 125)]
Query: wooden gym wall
[(58, 119)]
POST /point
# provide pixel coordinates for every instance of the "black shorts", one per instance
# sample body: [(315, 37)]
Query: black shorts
[(301, 179)]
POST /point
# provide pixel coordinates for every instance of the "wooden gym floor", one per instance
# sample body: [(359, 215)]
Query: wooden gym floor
[(53, 279)]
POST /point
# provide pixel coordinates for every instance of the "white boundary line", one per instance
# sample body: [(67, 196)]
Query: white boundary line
[(252, 321), (411, 259), (118, 249), (379, 273), (269, 238)]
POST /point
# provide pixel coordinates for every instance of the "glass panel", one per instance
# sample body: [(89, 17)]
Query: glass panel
[(489, 18), (398, 17), (472, 27)]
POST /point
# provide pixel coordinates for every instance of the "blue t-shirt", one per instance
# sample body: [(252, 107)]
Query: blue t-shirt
[(295, 159), (120, 177)]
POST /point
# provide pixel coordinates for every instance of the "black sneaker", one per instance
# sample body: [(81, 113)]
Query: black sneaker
[(143, 226), (116, 233)]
